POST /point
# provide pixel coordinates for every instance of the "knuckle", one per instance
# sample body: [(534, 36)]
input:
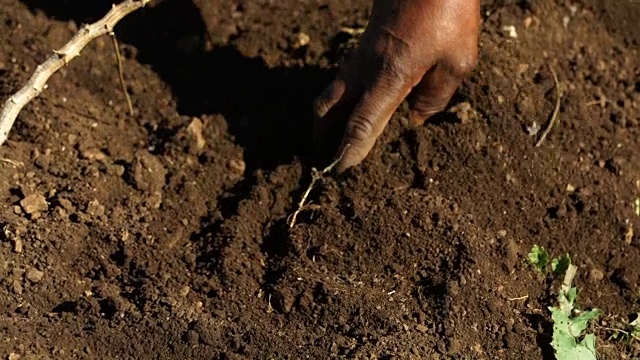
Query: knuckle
[(465, 65), (395, 67), (359, 129), (393, 57)]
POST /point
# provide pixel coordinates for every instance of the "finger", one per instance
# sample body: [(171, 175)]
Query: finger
[(333, 106), (370, 116), (432, 94), (329, 108)]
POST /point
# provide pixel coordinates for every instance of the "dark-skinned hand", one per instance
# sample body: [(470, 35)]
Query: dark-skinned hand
[(415, 49)]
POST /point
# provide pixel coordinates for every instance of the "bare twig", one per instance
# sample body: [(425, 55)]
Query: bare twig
[(116, 49), (525, 297), (37, 82), (556, 108), (315, 177)]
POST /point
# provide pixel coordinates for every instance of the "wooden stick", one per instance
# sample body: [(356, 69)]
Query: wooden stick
[(38, 81)]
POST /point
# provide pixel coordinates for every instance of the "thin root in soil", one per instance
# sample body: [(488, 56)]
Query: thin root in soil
[(556, 108), (315, 177)]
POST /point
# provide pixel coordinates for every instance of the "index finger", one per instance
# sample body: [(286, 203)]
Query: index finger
[(370, 116)]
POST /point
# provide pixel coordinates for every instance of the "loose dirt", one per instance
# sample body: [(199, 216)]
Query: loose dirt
[(164, 235)]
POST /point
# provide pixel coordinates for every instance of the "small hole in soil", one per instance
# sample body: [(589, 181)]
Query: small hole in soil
[(65, 306), (108, 307)]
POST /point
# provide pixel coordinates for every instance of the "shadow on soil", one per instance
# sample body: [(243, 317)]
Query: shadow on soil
[(268, 110)]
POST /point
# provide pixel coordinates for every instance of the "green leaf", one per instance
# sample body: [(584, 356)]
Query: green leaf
[(579, 323), (567, 330), (538, 257), (560, 264), (635, 325)]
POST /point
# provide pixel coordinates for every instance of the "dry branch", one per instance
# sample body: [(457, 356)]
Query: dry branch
[(60, 58)]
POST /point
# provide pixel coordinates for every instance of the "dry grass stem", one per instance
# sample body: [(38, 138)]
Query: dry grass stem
[(116, 49), (556, 108)]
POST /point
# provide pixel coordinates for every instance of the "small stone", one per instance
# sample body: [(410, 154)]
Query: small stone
[(510, 31), (464, 111), (302, 39), (13, 356), (596, 275), (94, 208), (184, 291), (17, 210), (34, 203), (570, 188), (93, 154), (17, 245), (195, 130), (237, 166), (16, 287), (527, 22), (502, 233), (116, 169), (66, 204), (422, 328), (34, 275)]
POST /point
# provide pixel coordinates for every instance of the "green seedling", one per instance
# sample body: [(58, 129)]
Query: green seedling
[(538, 257), (560, 264), (568, 321)]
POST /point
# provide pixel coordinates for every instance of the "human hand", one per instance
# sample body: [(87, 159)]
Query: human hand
[(421, 49)]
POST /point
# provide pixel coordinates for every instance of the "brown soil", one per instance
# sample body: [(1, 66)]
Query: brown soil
[(155, 244)]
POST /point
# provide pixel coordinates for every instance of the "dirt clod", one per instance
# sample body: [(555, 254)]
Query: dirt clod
[(34, 203), (149, 176), (18, 245), (596, 275), (94, 208), (34, 275)]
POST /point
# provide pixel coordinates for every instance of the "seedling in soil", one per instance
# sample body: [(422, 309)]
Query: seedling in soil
[(569, 322), (538, 257)]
